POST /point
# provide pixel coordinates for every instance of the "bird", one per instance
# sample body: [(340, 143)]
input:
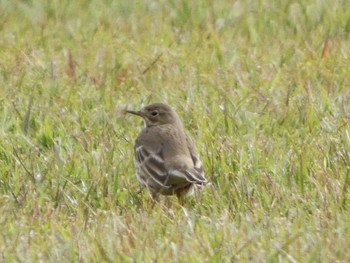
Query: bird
[(166, 159)]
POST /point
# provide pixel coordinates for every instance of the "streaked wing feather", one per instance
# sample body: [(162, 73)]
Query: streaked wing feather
[(152, 164), (190, 175), (195, 177), (198, 173)]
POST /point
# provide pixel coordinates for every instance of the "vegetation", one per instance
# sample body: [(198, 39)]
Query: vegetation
[(262, 85)]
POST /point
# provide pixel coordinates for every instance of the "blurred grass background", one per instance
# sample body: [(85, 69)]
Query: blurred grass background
[(262, 85)]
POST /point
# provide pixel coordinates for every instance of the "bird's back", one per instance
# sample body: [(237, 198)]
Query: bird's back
[(170, 142)]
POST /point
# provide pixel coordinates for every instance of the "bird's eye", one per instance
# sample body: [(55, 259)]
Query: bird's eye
[(154, 113)]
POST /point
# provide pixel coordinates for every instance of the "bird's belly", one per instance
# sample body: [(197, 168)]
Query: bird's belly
[(156, 187)]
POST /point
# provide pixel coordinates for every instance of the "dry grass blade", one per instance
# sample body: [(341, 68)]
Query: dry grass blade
[(27, 116), (326, 48)]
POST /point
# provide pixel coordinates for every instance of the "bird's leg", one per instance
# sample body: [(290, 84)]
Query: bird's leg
[(140, 190), (154, 198), (181, 199)]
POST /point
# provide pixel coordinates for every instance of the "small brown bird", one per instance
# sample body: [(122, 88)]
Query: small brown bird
[(166, 162)]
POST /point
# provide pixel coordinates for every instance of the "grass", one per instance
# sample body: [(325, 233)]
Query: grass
[(262, 86)]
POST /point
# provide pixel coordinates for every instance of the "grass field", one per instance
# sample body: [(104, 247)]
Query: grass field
[(262, 85)]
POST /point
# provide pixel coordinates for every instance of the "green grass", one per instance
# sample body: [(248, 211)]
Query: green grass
[(257, 84)]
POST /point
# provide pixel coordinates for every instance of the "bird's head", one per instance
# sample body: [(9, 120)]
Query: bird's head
[(157, 114)]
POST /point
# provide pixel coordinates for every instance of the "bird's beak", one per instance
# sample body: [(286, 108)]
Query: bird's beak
[(138, 113)]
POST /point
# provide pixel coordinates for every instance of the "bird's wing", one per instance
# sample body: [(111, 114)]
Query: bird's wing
[(195, 175), (152, 164)]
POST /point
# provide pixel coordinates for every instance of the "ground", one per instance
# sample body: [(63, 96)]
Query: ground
[(263, 87)]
